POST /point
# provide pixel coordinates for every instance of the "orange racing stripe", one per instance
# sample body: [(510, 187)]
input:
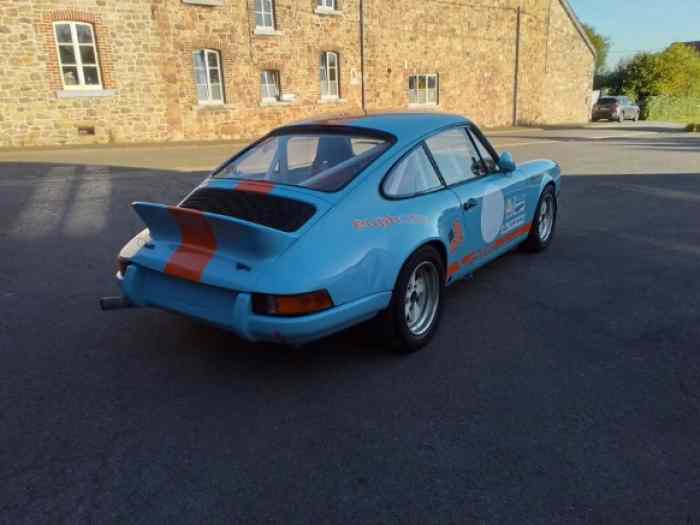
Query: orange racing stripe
[(255, 186), (471, 257), (197, 245)]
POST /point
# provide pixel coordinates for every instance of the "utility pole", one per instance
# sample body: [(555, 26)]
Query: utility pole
[(362, 54)]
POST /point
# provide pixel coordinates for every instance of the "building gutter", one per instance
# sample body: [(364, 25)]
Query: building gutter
[(577, 23)]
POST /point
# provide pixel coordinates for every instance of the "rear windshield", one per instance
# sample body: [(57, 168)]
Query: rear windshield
[(608, 100), (318, 161)]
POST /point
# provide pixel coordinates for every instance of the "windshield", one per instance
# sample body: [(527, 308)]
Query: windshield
[(608, 100), (319, 161)]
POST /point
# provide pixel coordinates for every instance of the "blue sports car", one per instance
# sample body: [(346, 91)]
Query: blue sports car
[(327, 223)]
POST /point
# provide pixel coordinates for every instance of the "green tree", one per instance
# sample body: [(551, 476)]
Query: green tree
[(641, 76), (602, 47), (679, 71)]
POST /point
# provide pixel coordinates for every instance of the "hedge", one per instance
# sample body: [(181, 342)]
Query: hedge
[(673, 109)]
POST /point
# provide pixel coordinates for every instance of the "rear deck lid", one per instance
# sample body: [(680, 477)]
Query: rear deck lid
[(221, 235)]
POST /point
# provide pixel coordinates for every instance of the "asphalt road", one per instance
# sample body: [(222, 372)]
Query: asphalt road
[(562, 387)]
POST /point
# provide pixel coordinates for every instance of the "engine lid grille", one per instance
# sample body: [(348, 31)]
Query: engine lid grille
[(280, 213)]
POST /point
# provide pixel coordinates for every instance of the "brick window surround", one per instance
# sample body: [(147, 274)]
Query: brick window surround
[(104, 52)]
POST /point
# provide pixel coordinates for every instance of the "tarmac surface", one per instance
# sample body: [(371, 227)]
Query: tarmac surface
[(562, 387)]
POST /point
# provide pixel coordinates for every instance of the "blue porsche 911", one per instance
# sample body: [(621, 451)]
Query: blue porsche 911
[(327, 223)]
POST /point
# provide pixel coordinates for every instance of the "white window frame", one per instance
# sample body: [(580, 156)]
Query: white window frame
[(79, 66), (210, 100), (261, 11), (326, 5), (332, 87), (421, 97), (270, 90)]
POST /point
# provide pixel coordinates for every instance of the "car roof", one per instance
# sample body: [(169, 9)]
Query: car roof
[(404, 126)]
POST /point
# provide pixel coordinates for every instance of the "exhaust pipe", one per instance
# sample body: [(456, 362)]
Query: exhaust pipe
[(115, 303)]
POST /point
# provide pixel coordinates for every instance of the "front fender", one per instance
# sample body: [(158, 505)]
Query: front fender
[(551, 175)]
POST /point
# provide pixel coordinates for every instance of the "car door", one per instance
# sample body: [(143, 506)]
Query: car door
[(480, 193), (520, 192)]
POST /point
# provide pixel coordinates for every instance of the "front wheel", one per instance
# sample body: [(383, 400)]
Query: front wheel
[(542, 229), (416, 304)]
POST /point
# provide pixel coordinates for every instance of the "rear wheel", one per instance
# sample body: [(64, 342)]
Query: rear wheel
[(416, 304), (542, 229)]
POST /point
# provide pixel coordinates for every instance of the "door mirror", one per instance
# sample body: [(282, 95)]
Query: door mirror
[(506, 162)]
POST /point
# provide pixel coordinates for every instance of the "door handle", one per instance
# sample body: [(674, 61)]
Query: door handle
[(471, 203)]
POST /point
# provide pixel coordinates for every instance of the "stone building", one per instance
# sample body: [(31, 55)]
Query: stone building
[(101, 71)]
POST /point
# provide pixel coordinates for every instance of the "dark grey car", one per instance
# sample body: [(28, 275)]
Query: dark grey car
[(616, 108)]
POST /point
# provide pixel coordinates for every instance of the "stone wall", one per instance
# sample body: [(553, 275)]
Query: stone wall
[(145, 49)]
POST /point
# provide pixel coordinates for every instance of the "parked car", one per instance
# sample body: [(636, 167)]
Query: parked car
[(616, 108), (324, 224)]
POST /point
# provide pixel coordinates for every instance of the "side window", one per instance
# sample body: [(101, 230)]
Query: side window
[(258, 162), (414, 174), (455, 156), (490, 163)]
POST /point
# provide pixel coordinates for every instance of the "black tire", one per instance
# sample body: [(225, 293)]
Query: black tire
[(534, 241), (394, 322)]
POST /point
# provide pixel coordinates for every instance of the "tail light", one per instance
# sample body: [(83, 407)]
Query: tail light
[(291, 305)]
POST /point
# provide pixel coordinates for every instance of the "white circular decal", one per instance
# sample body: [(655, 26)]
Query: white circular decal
[(492, 207)]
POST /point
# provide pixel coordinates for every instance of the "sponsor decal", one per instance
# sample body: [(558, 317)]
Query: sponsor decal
[(514, 215), (514, 206), (456, 236), (388, 221), (487, 250)]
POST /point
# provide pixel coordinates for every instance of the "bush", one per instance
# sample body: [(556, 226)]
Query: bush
[(674, 109), (693, 127)]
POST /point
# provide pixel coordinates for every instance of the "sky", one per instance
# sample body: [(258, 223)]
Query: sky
[(640, 25)]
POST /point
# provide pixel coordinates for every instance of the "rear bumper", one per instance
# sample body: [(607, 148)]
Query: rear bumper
[(233, 310), (606, 114)]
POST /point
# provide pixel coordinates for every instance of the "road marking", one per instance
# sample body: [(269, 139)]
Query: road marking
[(623, 135), (537, 142)]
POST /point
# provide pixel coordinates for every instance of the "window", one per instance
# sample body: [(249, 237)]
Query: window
[(455, 156), (423, 89), (315, 160), (413, 175), (207, 74), (329, 75), (270, 85), (327, 5), (490, 164), (77, 55), (264, 15)]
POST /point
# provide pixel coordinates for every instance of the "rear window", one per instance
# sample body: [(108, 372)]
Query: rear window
[(607, 100), (318, 161)]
